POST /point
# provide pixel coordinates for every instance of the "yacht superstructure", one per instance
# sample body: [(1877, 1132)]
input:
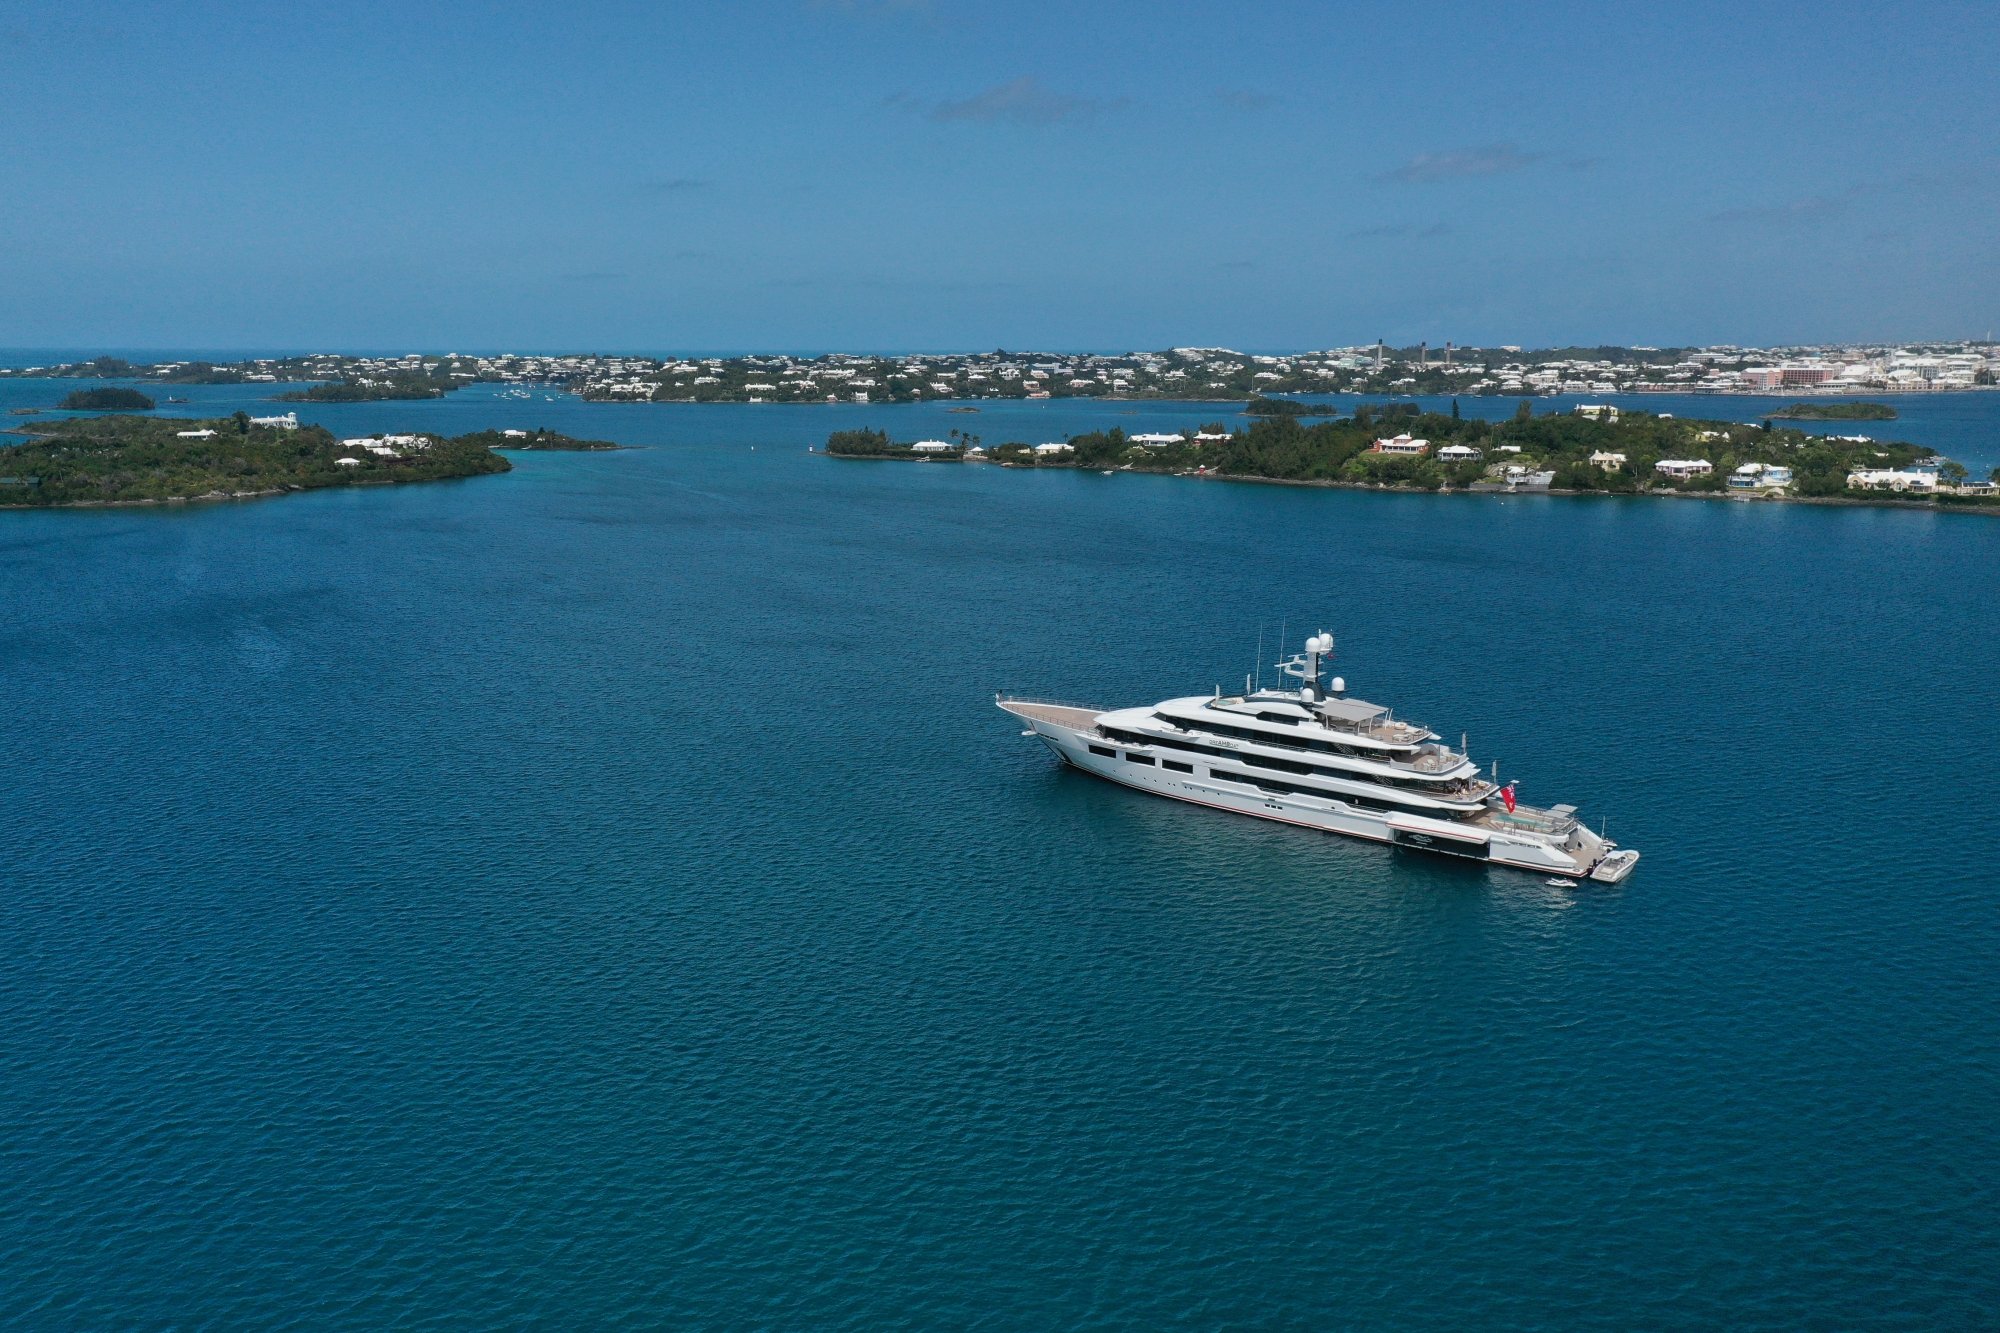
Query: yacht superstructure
[(1311, 755)]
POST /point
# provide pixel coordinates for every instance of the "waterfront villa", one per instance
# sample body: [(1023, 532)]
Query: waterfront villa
[(1760, 477), (1050, 450), (931, 447), (1401, 444), (1607, 460), (1893, 480), (1157, 441), (289, 421), (1596, 411), (1458, 453), (1680, 469)]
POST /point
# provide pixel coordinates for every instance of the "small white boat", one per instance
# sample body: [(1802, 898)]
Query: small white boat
[(1105, 473), (1560, 883)]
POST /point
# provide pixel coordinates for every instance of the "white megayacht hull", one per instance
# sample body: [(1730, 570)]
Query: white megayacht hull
[(1071, 733)]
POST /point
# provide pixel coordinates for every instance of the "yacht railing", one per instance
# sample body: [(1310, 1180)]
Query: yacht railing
[(1004, 696), (1435, 759), (1529, 819), (1431, 760)]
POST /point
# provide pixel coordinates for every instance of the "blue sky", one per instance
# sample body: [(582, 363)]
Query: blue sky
[(893, 174)]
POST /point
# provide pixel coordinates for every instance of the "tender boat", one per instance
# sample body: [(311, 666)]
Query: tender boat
[(1314, 756)]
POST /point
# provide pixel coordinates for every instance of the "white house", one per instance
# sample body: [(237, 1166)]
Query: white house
[(1597, 411), (1760, 476), (289, 421), (1157, 441), (931, 447), (1401, 444), (1051, 449), (1607, 460), (1682, 468), (1458, 453), (1892, 480), (194, 434)]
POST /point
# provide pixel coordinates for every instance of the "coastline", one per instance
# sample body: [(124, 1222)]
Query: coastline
[(220, 497), (1830, 501)]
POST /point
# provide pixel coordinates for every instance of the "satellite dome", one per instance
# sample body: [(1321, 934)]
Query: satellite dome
[(1337, 685)]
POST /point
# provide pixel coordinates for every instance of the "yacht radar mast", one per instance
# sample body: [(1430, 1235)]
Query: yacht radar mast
[(1305, 667)]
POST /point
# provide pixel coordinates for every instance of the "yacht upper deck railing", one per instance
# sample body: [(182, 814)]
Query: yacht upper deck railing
[(1554, 823), (1435, 759), (1381, 729), (1432, 759)]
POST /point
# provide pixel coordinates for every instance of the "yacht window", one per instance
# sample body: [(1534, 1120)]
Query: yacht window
[(1177, 766), (1104, 750), (1131, 758)]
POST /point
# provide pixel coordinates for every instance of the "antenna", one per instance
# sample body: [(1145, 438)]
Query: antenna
[(1257, 663)]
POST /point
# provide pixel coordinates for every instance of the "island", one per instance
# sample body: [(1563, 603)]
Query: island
[(430, 382), (154, 460), (877, 444), (539, 438), (1587, 450), (1836, 411), (106, 400)]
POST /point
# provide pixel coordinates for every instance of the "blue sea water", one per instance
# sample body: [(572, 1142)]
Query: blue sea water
[(605, 895)]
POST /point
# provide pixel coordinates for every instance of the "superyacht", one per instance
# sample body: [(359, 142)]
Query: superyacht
[(1309, 754)]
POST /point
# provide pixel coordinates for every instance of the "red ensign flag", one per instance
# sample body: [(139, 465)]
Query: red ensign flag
[(1507, 795)]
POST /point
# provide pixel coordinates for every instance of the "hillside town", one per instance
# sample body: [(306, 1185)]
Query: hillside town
[(1186, 373)]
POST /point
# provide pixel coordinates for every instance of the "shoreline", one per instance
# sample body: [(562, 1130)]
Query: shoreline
[(219, 497), (1828, 501)]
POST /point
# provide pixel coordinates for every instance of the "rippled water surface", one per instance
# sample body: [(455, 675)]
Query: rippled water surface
[(605, 895)]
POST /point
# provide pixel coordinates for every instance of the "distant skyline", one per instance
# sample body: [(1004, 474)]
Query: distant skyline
[(902, 176)]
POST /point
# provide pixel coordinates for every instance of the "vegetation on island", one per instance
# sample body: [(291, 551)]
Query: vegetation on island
[(365, 390), (1341, 450), (533, 439), (877, 444), (1576, 453), (129, 460), (1836, 411), (106, 400), (1290, 407)]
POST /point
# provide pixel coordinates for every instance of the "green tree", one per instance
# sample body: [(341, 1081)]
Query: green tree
[(242, 420), (1526, 411), (1952, 474)]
